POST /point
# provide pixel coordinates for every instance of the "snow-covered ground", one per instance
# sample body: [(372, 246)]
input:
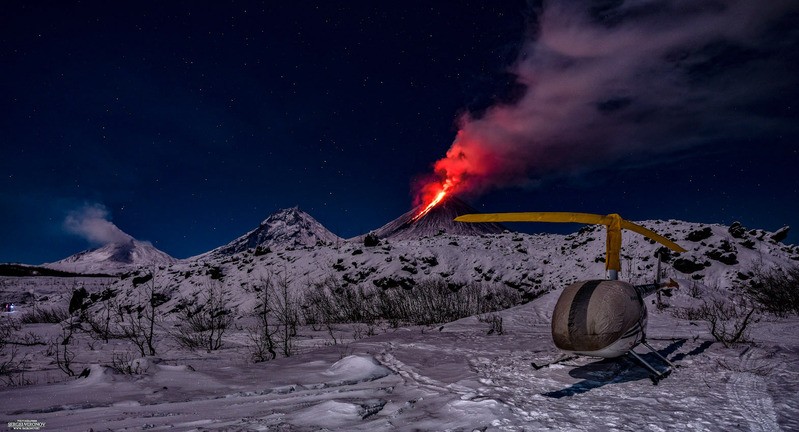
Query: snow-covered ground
[(452, 376), (449, 377)]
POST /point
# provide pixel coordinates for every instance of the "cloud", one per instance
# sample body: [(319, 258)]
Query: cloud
[(632, 83), (91, 222)]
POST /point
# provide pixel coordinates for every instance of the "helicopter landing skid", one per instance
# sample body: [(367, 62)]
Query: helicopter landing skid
[(562, 358), (656, 375)]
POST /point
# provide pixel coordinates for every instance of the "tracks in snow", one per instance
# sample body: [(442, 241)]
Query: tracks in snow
[(748, 391)]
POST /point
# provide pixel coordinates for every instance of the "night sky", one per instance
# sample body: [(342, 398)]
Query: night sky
[(188, 123)]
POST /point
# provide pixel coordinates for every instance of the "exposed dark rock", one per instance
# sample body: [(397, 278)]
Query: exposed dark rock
[(780, 234), (749, 244), (729, 258), (138, 280), (699, 235), (666, 255), (737, 230), (76, 302), (687, 266), (371, 240), (727, 246)]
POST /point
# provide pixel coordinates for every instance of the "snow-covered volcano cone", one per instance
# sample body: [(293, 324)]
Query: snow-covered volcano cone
[(437, 220)]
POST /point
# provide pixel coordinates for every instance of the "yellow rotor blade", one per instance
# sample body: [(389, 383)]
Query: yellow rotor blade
[(566, 217), (585, 218), (653, 235)]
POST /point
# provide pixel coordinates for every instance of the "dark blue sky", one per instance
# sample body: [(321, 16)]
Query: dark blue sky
[(190, 123)]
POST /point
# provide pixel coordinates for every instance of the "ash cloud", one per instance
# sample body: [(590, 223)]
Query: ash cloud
[(634, 83), (92, 223)]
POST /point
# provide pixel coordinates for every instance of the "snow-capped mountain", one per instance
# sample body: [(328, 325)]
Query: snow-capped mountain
[(286, 228), (114, 258), (440, 220)]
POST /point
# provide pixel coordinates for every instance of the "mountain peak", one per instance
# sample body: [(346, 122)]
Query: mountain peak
[(288, 227), (439, 219), (114, 258)]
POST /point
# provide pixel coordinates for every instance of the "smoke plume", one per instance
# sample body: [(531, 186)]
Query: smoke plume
[(628, 84), (91, 222)]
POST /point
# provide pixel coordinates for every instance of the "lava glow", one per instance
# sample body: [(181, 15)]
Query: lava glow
[(453, 174), (440, 195)]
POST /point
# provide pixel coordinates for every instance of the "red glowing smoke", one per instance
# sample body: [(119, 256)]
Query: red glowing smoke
[(620, 96), (470, 166)]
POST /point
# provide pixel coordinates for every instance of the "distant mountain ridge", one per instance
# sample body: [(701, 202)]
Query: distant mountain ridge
[(430, 239)]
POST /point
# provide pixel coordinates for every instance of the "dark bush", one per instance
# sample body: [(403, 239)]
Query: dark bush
[(728, 322), (776, 290), (428, 302), (204, 324)]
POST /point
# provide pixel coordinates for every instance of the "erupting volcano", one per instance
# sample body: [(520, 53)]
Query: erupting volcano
[(467, 166), (438, 219), (438, 196)]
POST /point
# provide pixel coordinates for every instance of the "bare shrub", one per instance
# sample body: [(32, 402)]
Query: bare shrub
[(776, 290), (694, 291), (100, 322), (262, 335), (277, 317), (12, 364), (728, 322), (429, 302), (203, 324), (13, 367), (48, 316), (135, 321), (360, 331), (330, 301), (123, 363), (8, 327), (495, 321), (285, 307), (60, 347)]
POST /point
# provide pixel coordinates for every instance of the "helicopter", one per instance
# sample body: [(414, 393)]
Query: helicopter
[(605, 317)]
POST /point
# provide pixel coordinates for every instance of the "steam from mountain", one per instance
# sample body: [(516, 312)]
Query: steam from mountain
[(630, 83), (91, 222)]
